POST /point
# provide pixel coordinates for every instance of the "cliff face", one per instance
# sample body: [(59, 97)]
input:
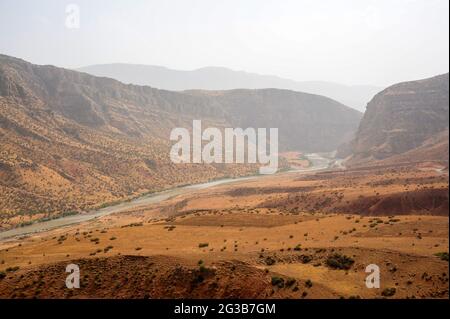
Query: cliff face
[(402, 118), (70, 140), (306, 122)]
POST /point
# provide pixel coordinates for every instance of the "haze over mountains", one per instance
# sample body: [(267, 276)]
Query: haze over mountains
[(218, 78), (71, 141), (406, 122)]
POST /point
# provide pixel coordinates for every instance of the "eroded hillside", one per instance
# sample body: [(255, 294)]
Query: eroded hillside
[(71, 141)]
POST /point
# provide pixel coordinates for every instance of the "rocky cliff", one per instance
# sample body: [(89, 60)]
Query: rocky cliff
[(402, 118)]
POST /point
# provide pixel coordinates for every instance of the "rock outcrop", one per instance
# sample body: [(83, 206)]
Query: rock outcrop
[(402, 118)]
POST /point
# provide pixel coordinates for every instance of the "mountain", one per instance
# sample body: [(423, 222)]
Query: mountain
[(306, 122), (72, 141), (408, 121), (216, 78)]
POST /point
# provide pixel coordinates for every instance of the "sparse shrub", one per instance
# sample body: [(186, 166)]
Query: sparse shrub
[(290, 282), (12, 269), (133, 225), (278, 281), (108, 248), (308, 283), (338, 261), (442, 255), (203, 245), (270, 261), (305, 258), (388, 292), (198, 279)]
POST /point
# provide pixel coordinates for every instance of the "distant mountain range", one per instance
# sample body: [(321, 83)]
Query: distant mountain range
[(217, 78), (406, 122)]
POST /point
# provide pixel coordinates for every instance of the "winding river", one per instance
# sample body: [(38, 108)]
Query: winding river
[(318, 163)]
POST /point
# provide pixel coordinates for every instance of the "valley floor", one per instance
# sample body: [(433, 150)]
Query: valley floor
[(288, 236)]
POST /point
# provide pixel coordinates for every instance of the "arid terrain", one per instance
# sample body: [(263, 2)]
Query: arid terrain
[(73, 144), (294, 235), (224, 157)]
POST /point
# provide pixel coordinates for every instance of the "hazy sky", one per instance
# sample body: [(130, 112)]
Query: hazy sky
[(348, 41)]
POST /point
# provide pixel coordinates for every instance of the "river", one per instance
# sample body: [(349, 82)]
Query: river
[(318, 163)]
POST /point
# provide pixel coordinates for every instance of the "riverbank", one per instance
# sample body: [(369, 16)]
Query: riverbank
[(318, 163)]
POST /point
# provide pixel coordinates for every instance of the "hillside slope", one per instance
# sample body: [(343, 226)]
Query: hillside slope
[(410, 119), (72, 141)]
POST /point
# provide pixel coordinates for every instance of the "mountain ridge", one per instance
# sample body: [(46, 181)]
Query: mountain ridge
[(221, 78)]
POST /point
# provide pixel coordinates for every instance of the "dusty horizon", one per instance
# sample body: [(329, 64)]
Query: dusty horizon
[(346, 42)]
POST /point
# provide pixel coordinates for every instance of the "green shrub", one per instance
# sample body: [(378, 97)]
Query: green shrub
[(278, 281), (290, 282), (12, 269), (442, 255), (388, 292), (338, 261), (305, 258), (308, 283), (270, 261)]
